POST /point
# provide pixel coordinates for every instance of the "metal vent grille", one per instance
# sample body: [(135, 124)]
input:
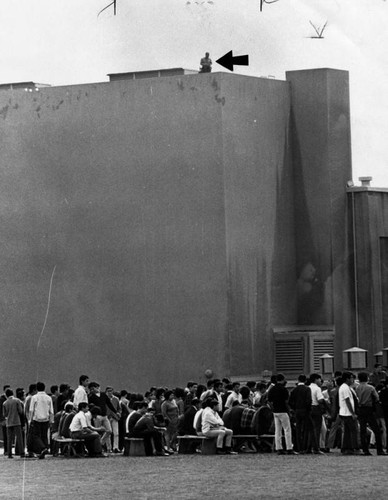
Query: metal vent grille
[(289, 355), (321, 347)]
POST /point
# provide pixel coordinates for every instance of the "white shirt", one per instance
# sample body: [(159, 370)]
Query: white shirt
[(345, 392), (316, 394), (80, 396), (210, 420), (233, 396), (79, 422), (41, 408)]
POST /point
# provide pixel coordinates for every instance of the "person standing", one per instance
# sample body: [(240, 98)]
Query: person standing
[(206, 64), (300, 402), (81, 394), (41, 414), (368, 399), (3, 423), (347, 412), (14, 417), (278, 399), (318, 405)]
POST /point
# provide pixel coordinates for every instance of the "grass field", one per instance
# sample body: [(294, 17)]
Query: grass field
[(253, 476)]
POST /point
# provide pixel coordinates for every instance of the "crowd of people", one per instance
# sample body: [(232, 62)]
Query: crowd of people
[(313, 416)]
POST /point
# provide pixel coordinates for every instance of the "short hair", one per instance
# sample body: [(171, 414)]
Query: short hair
[(346, 376), (19, 392), (363, 377), (109, 388), (251, 384), (159, 392), (8, 392), (179, 392), (63, 387), (5, 387), (69, 406), (280, 377), (92, 385), (40, 386), (123, 392), (82, 405), (83, 378), (167, 394), (377, 365), (245, 391), (31, 388), (234, 384), (302, 378), (53, 388), (218, 383), (314, 377), (190, 384), (210, 383)]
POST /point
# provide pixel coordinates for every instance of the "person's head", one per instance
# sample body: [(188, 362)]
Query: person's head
[(273, 379), (5, 387), (63, 388), (207, 54), (261, 387), (159, 393), (94, 387), (302, 378), (83, 406), (196, 402), (245, 392), (251, 384), (236, 387), (378, 367), (94, 410), (210, 383), (84, 380), (32, 389), (363, 377), (109, 391), (54, 390), (169, 395), (123, 393), (315, 378), (347, 378), (8, 393), (20, 393), (40, 387), (142, 407), (280, 379), (179, 392), (218, 386), (200, 390), (213, 404), (69, 407)]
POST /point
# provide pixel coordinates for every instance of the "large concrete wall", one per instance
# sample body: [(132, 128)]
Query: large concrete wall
[(258, 217), (322, 166), (122, 210), (113, 193), (371, 241)]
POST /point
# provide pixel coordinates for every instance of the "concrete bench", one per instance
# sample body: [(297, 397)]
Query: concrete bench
[(188, 443), (134, 447), (69, 446)]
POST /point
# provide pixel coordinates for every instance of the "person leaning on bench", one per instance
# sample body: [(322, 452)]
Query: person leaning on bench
[(213, 427), (79, 430)]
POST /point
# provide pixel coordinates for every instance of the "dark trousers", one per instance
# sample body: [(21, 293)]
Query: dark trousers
[(316, 418), (302, 427), (12, 432), (349, 441), (39, 437), (366, 416), (92, 440), (149, 437), (5, 441)]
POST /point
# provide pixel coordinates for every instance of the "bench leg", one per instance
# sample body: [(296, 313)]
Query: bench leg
[(209, 446)]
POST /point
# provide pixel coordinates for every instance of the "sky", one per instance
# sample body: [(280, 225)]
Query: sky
[(64, 42)]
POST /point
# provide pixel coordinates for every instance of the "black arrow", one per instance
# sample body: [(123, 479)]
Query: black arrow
[(228, 61)]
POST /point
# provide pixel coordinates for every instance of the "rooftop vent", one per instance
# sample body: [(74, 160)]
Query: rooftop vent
[(365, 181), (155, 73)]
